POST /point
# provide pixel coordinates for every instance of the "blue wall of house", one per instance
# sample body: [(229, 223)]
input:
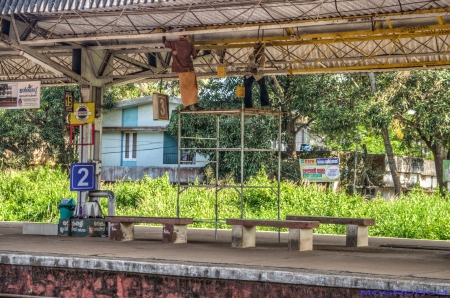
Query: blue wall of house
[(130, 117)]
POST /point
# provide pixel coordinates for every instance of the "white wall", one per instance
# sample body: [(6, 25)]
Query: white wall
[(112, 118), (111, 148), (145, 115), (410, 179), (150, 148)]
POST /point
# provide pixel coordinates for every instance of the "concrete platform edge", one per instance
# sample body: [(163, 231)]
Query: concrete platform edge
[(33, 228), (219, 271)]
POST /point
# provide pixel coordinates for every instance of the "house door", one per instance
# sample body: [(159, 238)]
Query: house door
[(170, 149)]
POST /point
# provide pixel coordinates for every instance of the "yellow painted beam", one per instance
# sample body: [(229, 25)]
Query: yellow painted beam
[(317, 42), (370, 67), (315, 21), (378, 25), (329, 38), (242, 40), (388, 22), (433, 30), (440, 20)]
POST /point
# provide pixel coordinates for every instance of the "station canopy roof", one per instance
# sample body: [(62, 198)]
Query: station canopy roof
[(40, 37)]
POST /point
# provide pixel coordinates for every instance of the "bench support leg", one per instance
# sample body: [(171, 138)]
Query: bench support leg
[(357, 236), (243, 236), (121, 231), (300, 239), (174, 233)]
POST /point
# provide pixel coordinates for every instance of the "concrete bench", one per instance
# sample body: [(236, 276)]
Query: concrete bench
[(174, 229), (243, 232), (357, 231)]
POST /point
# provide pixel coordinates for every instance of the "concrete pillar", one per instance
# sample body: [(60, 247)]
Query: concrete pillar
[(300, 239), (357, 236), (90, 65), (175, 233), (243, 236), (121, 231)]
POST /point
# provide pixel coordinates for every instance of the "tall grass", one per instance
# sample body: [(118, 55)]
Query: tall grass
[(33, 195)]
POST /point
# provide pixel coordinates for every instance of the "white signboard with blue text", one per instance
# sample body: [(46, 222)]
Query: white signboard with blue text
[(20, 95), (320, 169), (82, 177)]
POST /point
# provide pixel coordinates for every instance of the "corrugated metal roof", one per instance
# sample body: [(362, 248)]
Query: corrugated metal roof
[(134, 16), (277, 9), (37, 6)]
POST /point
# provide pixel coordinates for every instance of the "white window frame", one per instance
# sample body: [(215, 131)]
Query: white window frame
[(132, 146)]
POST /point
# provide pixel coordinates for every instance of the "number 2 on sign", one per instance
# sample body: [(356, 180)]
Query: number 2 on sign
[(82, 180)]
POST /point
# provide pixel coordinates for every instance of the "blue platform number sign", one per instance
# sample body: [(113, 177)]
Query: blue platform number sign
[(82, 176)]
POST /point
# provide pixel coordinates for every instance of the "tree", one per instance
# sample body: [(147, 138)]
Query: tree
[(381, 120), (23, 131), (18, 139), (220, 94), (298, 95), (328, 101), (421, 104), (112, 95)]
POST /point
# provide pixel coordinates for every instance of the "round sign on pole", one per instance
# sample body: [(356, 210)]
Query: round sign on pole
[(83, 113), (333, 173)]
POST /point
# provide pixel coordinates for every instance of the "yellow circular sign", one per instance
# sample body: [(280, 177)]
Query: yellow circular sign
[(83, 113)]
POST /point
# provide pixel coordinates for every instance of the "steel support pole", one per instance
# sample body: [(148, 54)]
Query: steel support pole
[(179, 161), (242, 161), (279, 171), (217, 173), (86, 153)]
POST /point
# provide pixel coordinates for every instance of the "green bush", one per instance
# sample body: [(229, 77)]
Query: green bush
[(33, 195)]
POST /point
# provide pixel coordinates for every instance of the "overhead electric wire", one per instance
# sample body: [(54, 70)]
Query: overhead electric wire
[(149, 149)]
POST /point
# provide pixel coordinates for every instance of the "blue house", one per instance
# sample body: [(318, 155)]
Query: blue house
[(134, 145)]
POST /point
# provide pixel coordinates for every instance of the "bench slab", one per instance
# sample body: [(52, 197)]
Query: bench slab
[(334, 220), (156, 220), (243, 232), (174, 229), (357, 232), (291, 224)]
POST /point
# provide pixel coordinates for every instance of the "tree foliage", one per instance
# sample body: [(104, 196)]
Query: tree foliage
[(23, 131), (419, 102), (132, 90), (327, 101), (259, 131), (413, 108)]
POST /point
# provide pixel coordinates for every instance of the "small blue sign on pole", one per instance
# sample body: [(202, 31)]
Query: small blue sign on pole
[(82, 176)]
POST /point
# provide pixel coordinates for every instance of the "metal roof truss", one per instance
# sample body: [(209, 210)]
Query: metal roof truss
[(301, 37)]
